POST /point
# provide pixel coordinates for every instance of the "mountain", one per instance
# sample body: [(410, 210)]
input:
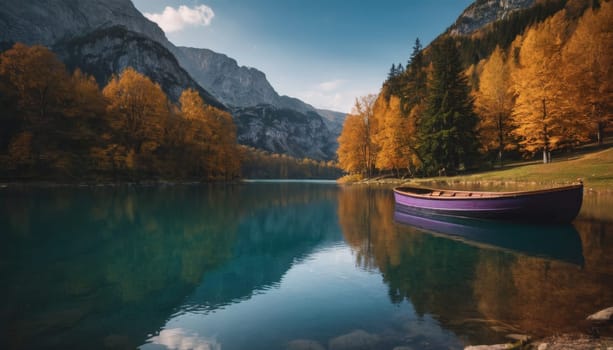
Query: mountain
[(103, 37), (235, 85), (334, 120), (483, 12), (265, 119), (288, 131), (107, 51), (46, 22)]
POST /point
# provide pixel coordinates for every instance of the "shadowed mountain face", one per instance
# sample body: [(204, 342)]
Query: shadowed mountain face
[(46, 22), (107, 51), (285, 131), (101, 38)]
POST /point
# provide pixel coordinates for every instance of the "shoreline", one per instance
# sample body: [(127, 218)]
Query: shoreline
[(450, 182), (575, 341)]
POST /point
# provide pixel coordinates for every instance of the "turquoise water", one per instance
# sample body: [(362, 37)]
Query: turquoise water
[(283, 266)]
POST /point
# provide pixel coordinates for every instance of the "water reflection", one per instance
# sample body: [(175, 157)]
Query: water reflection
[(104, 264), (112, 264), (280, 266), (560, 242), (525, 285)]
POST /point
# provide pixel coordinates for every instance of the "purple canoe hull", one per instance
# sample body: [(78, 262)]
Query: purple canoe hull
[(558, 205)]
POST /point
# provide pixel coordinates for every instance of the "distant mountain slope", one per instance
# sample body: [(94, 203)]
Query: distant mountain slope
[(100, 37), (287, 131), (250, 94), (103, 37), (483, 12), (48, 21), (235, 85), (106, 51), (333, 119)]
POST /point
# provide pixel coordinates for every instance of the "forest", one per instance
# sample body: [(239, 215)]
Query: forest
[(549, 89), (62, 127)]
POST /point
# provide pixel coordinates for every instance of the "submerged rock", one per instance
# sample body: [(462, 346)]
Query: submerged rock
[(355, 340), (602, 315), (490, 347), (304, 344)]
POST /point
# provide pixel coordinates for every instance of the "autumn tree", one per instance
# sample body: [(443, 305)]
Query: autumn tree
[(138, 108), (541, 112), (396, 147), (86, 99), (588, 68), (39, 79), (350, 146), (448, 138), (494, 104), (211, 135), (225, 163), (357, 151)]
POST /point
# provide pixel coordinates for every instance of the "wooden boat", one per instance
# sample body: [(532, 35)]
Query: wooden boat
[(557, 242), (556, 205)]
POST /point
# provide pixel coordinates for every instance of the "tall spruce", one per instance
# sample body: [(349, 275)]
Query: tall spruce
[(415, 79), (448, 128)]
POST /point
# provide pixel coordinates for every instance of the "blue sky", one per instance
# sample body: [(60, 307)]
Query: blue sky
[(325, 52)]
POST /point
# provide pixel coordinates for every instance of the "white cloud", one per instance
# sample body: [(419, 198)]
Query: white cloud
[(181, 339), (333, 95), (174, 20), (331, 85)]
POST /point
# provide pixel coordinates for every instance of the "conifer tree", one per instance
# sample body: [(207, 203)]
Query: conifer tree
[(447, 129), (415, 79)]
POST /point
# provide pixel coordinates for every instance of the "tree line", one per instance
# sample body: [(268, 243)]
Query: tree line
[(260, 164), (63, 127), (550, 89)]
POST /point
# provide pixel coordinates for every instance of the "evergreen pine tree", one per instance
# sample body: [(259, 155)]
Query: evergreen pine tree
[(399, 69), (415, 79), (447, 129), (392, 72)]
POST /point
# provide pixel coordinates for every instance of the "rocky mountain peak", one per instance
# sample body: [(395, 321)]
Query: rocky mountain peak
[(49, 21), (234, 85), (483, 12)]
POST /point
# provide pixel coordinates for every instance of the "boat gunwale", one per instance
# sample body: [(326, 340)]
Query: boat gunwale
[(481, 195)]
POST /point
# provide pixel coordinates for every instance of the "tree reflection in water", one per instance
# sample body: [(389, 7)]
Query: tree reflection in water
[(468, 286)]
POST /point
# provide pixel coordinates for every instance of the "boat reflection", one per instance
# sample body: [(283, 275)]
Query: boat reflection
[(558, 242)]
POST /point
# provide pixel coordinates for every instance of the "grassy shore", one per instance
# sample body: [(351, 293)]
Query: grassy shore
[(594, 168)]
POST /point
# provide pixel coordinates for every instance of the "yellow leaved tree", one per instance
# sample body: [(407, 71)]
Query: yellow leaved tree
[(494, 104), (357, 150), (588, 68), (137, 108), (542, 111), (211, 137), (395, 137)]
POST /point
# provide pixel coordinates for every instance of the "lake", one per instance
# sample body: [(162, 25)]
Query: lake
[(284, 265)]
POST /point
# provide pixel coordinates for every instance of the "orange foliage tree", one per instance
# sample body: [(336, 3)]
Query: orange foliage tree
[(494, 104), (138, 107), (38, 77), (395, 137), (541, 113), (357, 151), (212, 137), (588, 68)]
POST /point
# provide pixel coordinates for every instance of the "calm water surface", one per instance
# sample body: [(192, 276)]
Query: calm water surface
[(284, 266)]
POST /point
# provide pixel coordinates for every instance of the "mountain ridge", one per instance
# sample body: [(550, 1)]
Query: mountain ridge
[(483, 12), (104, 37)]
